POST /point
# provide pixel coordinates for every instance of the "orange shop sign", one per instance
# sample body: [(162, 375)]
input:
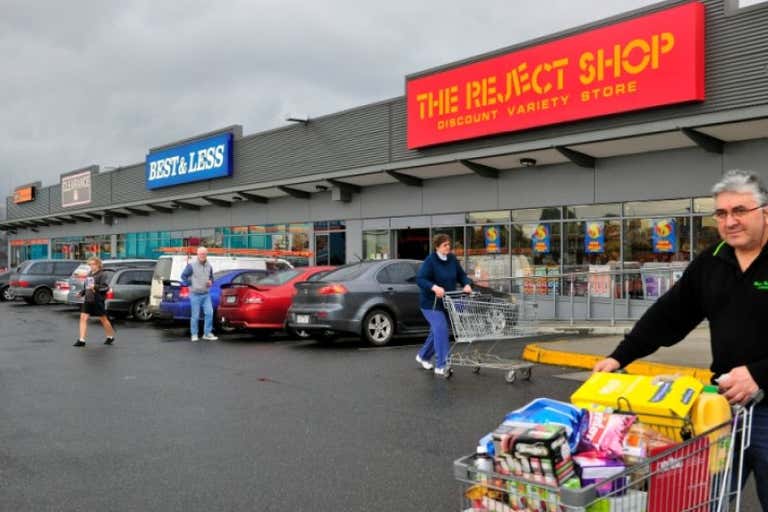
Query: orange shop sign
[(653, 60), (32, 241), (23, 195)]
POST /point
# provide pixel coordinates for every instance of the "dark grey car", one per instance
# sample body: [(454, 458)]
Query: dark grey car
[(34, 280), (129, 292), (372, 299), (77, 279), (5, 290)]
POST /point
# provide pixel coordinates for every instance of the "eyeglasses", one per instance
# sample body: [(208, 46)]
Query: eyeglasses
[(737, 213)]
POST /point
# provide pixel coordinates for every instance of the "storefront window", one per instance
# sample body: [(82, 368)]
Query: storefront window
[(536, 214), (704, 205), (591, 243), (705, 234), (657, 240), (330, 242), (488, 252), (298, 244), (82, 248), (376, 244), (657, 208), (536, 252), (23, 250), (495, 217), (593, 211)]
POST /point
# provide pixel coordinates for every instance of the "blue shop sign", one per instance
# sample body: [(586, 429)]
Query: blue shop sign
[(203, 159)]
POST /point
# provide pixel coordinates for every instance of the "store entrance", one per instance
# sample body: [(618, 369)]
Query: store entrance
[(412, 243)]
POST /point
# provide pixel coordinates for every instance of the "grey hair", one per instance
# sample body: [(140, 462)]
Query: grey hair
[(202, 249), (742, 182)]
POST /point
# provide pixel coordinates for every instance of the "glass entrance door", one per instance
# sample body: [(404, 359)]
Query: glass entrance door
[(412, 243)]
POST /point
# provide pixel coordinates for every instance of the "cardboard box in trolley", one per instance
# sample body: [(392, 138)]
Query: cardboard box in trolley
[(536, 453)]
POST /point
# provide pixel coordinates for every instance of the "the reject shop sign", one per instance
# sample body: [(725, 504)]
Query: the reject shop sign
[(649, 61), (203, 159)]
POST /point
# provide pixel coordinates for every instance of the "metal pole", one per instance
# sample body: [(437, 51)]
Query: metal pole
[(571, 299), (589, 299), (613, 300), (626, 294)]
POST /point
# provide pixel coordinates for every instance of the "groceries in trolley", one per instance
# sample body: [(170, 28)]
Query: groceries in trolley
[(626, 443)]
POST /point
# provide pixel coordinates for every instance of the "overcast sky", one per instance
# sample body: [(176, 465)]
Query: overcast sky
[(99, 82)]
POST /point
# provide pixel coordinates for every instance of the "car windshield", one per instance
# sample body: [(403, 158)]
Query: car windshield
[(278, 279), (345, 273), (81, 271)]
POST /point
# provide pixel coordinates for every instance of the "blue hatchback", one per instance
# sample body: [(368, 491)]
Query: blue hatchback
[(175, 303)]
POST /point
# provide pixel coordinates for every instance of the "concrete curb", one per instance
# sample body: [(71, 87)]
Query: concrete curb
[(537, 354)]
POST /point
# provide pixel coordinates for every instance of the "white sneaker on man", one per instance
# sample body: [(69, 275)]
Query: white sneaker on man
[(424, 364), (194, 338), (210, 337), (443, 372)]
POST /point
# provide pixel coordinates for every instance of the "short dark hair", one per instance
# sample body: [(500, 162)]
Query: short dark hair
[(439, 239)]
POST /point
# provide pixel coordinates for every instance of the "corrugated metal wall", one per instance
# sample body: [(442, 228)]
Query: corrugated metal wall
[(737, 76)]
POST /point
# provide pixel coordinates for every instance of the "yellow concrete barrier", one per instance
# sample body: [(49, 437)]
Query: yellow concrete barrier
[(538, 354)]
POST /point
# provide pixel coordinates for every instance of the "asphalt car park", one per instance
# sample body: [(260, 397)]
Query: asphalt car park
[(158, 423)]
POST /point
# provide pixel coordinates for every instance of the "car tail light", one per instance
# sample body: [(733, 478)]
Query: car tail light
[(333, 289), (184, 292), (110, 294), (62, 285), (253, 298), (20, 284)]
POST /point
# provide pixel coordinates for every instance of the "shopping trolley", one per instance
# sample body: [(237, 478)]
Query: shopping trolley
[(699, 474), (484, 317)]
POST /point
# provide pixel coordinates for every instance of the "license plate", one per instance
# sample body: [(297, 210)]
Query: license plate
[(302, 319), (231, 300)]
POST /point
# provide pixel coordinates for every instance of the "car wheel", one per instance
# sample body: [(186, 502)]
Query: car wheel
[(6, 294), (42, 296), (378, 327), (140, 310)]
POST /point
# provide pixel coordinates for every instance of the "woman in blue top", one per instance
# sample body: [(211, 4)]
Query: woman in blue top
[(439, 273)]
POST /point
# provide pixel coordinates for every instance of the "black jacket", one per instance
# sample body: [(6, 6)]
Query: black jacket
[(735, 303), (100, 287)]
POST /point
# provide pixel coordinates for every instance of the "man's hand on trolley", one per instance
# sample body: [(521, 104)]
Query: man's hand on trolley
[(467, 289), (439, 291), (738, 386), (607, 365)]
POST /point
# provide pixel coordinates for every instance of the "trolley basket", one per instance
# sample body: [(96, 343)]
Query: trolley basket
[(482, 317), (698, 474)]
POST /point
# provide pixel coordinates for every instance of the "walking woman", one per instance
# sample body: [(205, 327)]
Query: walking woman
[(94, 294), (439, 273)]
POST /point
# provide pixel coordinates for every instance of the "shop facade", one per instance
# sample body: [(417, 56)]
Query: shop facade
[(668, 98)]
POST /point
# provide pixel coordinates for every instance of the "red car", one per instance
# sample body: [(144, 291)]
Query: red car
[(262, 306)]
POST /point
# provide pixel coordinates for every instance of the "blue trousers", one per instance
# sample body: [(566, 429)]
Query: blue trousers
[(437, 343), (756, 457), (197, 301)]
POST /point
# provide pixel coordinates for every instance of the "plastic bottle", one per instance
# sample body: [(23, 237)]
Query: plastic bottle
[(710, 410), (483, 463)]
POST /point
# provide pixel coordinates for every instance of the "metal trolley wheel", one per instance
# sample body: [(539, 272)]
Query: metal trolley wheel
[(511, 375)]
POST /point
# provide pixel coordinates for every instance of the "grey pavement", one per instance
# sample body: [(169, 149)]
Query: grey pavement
[(601, 338), (156, 423)]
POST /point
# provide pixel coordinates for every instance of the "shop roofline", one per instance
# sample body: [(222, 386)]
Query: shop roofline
[(655, 127), (624, 16)]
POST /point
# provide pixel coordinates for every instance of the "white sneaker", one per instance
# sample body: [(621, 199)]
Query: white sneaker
[(210, 337), (194, 338), (443, 372), (424, 364)]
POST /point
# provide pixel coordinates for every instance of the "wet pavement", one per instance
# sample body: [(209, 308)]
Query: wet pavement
[(158, 423)]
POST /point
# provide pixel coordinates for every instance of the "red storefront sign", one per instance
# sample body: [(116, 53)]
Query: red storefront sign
[(654, 60)]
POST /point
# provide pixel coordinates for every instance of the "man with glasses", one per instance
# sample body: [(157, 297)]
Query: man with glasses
[(728, 286)]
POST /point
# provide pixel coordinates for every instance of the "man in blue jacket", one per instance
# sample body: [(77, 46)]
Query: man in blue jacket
[(198, 276), (439, 273)]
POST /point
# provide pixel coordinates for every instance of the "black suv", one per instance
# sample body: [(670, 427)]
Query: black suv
[(34, 280)]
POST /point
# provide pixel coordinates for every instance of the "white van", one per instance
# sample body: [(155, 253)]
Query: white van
[(169, 268)]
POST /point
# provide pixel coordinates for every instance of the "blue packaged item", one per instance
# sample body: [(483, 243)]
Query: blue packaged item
[(545, 410), (486, 445)]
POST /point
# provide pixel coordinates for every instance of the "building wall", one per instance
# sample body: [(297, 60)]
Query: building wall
[(660, 175)]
